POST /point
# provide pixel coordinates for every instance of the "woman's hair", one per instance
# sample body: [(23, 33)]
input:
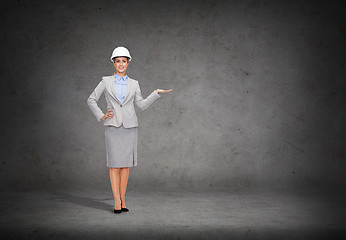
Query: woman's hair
[(119, 56)]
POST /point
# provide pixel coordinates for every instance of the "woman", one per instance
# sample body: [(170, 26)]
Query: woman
[(120, 121)]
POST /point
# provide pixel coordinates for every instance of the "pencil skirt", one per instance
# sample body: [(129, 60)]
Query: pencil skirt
[(121, 146)]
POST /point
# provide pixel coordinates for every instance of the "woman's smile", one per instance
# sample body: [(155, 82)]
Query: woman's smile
[(121, 64)]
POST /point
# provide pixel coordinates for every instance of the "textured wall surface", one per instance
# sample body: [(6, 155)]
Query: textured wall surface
[(258, 96)]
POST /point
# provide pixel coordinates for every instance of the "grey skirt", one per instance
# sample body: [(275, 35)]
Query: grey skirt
[(121, 146)]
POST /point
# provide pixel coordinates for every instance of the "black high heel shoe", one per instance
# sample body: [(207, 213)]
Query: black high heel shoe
[(123, 209), (118, 210)]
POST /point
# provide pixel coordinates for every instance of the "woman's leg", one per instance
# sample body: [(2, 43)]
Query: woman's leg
[(124, 176), (115, 181)]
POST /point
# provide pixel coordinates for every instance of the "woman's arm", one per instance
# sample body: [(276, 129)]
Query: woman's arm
[(94, 97), (144, 103)]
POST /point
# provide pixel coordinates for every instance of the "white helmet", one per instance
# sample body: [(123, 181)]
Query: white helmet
[(121, 52)]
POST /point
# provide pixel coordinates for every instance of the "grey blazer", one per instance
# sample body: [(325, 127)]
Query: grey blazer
[(124, 113)]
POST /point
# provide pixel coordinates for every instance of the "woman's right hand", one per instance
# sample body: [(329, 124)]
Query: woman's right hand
[(109, 114)]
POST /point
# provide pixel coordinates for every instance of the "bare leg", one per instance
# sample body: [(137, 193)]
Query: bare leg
[(115, 181), (124, 176)]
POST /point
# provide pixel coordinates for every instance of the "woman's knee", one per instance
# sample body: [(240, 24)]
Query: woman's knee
[(114, 169)]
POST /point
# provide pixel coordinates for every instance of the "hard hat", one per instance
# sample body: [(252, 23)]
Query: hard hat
[(121, 52)]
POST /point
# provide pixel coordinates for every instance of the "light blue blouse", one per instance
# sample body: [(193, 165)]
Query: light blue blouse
[(120, 84)]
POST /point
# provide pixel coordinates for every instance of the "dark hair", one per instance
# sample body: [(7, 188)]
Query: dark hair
[(121, 56)]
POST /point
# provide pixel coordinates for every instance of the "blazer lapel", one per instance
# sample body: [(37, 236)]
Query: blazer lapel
[(128, 88), (111, 88)]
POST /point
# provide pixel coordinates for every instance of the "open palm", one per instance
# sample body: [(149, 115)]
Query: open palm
[(163, 91)]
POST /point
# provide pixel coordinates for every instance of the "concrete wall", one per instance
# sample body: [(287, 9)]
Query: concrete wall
[(257, 102)]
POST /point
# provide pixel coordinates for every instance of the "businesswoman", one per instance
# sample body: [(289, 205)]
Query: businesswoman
[(120, 121)]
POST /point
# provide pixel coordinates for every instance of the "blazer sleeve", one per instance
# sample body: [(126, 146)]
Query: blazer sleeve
[(144, 103), (94, 97)]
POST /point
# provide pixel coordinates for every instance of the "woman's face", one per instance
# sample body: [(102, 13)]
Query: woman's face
[(121, 63)]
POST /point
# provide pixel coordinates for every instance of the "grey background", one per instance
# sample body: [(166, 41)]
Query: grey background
[(257, 103)]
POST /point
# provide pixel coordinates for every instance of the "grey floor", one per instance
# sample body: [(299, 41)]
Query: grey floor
[(173, 214)]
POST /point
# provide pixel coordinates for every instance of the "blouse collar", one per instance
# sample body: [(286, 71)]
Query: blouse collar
[(118, 78)]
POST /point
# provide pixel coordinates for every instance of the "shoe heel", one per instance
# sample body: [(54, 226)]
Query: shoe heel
[(118, 210), (123, 209)]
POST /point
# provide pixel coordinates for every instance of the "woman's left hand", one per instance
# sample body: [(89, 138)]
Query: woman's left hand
[(163, 91)]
